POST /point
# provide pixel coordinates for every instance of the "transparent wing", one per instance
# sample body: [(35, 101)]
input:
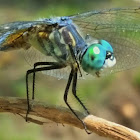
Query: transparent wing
[(120, 27), (32, 55), (14, 27)]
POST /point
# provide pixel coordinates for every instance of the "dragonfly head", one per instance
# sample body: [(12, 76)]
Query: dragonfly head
[(98, 56)]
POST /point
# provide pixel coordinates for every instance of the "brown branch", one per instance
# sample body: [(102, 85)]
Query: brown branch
[(40, 112)]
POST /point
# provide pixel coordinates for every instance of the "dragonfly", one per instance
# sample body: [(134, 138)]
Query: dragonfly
[(94, 43)]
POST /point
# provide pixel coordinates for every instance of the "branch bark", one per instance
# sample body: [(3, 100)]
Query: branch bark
[(41, 111)]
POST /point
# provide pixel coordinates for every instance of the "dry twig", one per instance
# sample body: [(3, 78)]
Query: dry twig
[(40, 112)]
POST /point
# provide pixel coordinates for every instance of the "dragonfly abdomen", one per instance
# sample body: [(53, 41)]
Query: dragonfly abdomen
[(12, 40)]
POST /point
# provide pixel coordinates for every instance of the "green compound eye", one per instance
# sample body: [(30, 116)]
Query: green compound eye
[(97, 57), (94, 58)]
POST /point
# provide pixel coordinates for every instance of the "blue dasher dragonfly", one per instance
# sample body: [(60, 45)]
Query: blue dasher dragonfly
[(94, 43)]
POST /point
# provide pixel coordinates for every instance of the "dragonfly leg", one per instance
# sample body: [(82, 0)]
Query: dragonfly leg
[(65, 99), (74, 58), (58, 66), (74, 85), (27, 92), (40, 64)]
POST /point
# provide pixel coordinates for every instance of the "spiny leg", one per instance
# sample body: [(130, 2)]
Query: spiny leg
[(74, 58), (37, 70), (40, 41), (27, 92), (74, 85), (40, 64), (66, 95)]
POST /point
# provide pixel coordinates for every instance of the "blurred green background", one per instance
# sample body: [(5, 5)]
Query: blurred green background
[(115, 97)]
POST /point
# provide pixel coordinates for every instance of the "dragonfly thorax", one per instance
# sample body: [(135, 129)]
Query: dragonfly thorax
[(58, 43)]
